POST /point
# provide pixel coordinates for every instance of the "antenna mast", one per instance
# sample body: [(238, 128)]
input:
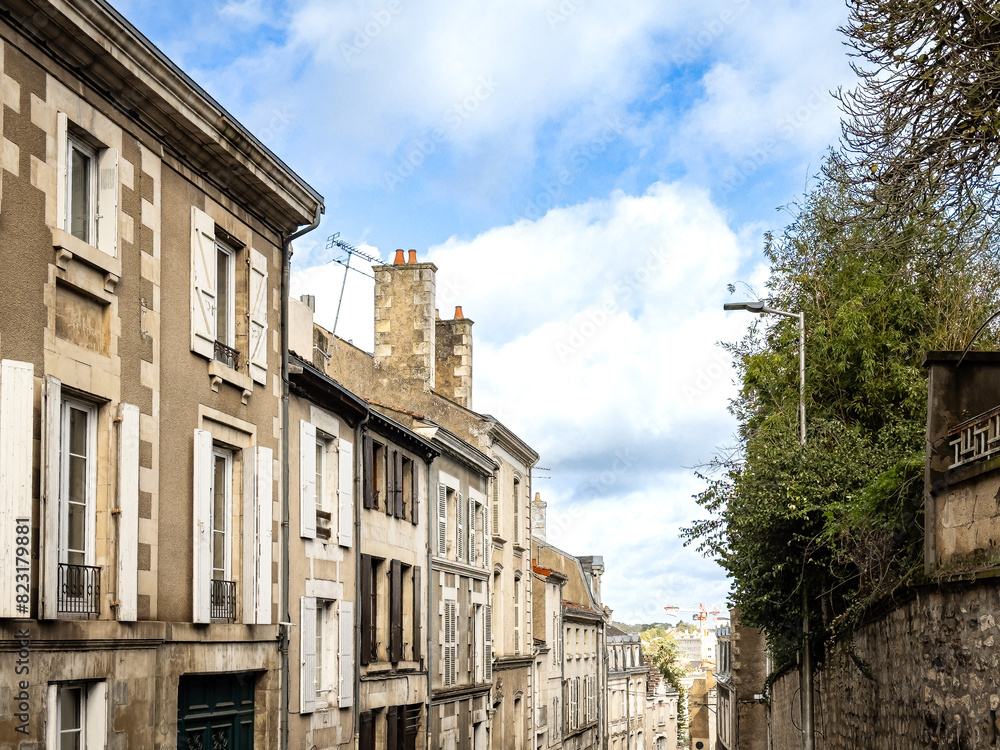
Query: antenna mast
[(334, 241)]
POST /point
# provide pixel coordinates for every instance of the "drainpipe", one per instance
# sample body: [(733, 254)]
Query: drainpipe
[(283, 614), (359, 468)]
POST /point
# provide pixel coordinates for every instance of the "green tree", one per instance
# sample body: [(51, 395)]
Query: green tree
[(662, 650), (843, 516)]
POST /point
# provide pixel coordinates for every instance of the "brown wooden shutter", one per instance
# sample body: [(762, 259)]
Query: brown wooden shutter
[(392, 726), (369, 468), (417, 611), (396, 611), (414, 519), (367, 609), (390, 463), (397, 487), (366, 740)]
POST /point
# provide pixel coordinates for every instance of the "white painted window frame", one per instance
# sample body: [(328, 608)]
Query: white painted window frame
[(221, 248), (227, 532), (74, 143), (90, 507)]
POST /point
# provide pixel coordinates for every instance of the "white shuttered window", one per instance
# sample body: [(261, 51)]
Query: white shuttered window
[(128, 518), (17, 389)]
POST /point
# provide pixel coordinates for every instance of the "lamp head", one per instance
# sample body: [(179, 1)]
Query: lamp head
[(754, 307)]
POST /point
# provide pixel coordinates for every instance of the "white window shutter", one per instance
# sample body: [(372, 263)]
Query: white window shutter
[(442, 518), (17, 396), (345, 616), (307, 650), (248, 578), (307, 480), (258, 316), (496, 503), (49, 531), (460, 540), (265, 532), (472, 531), (107, 201), (203, 283), (202, 548), (345, 493), (62, 137), (488, 650), (128, 517)]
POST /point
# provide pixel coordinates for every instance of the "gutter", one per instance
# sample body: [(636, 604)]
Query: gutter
[(283, 613)]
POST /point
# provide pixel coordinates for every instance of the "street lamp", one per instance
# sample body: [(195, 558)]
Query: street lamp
[(806, 675)]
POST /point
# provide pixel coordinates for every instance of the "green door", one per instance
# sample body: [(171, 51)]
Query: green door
[(215, 712)]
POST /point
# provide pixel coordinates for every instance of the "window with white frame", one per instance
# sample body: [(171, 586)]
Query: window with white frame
[(87, 192), (76, 716), (81, 190), (222, 511), (78, 482), (225, 308), (326, 653)]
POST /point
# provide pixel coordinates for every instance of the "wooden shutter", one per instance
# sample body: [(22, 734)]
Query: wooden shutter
[(397, 488), (395, 611), (442, 521), (345, 493), (201, 584), (517, 615), (414, 497), (472, 531), (496, 504), (389, 461), (366, 732), (49, 522), (460, 535), (367, 604), (265, 532), (307, 652), (128, 517), (368, 457), (203, 283), (417, 614), (248, 520), (450, 648), (307, 480), (257, 315), (17, 397), (107, 201), (392, 728), (345, 620), (488, 646)]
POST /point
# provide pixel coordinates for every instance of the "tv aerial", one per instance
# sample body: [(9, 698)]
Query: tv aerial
[(334, 241)]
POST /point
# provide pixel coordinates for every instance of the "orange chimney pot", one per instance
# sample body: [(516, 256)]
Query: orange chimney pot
[(400, 258), (413, 256), (458, 313)]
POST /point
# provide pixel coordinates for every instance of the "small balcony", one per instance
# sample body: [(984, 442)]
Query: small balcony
[(227, 355), (79, 589), (223, 600)]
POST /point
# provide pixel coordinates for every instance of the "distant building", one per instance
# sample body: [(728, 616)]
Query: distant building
[(661, 711), (626, 693), (547, 586), (740, 684)]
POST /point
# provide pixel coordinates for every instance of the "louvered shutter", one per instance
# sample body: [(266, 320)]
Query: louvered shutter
[(49, 531), (517, 616), (265, 531), (450, 649), (307, 480), (453, 625), (17, 396), (307, 651), (107, 201), (442, 521), (417, 614), (345, 493), (128, 518), (397, 478), (488, 647), (366, 605), (368, 458), (257, 315), (414, 497), (389, 460), (345, 619), (496, 504), (460, 536), (472, 531), (203, 283), (395, 611), (201, 584)]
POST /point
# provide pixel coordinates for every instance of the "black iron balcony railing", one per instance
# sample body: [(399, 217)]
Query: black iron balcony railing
[(227, 355), (79, 588), (223, 600)]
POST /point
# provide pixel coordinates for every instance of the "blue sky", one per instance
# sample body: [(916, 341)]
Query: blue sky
[(588, 177)]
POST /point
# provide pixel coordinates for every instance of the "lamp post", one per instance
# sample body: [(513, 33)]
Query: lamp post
[(808, 728)]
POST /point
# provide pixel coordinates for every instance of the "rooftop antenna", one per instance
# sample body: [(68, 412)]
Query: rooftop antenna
[(334, 241)]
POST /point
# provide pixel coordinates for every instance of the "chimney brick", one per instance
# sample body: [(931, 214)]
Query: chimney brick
[(404, 320)]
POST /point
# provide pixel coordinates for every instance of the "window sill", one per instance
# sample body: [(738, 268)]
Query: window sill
[(68, 248), (219, 373)]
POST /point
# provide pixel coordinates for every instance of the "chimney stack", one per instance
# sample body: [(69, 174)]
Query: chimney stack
[(538, 507), (593, 566), (454, 358), (404, 318)]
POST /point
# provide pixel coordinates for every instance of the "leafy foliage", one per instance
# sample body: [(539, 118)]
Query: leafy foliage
[(840, 518), (663, 651)]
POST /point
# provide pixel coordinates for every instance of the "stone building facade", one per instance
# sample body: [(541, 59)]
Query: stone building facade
[(143, 237), (547, 626), (626, 693), (661, 712), (742, 717)]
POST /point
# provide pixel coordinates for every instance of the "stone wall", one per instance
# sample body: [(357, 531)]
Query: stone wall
[(933, 678)]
